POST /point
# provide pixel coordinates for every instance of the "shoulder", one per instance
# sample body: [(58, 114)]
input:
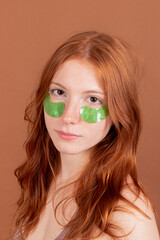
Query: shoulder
[(133, 221), (139, 226)]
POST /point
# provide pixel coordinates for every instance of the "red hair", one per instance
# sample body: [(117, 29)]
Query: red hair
[(112, 160)]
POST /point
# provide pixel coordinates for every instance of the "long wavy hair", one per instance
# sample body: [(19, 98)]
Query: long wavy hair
[(112, 160)]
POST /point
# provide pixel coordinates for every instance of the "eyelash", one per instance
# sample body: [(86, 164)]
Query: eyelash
[(52, 91)]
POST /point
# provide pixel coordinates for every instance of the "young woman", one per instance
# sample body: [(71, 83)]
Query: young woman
[(80, 179)]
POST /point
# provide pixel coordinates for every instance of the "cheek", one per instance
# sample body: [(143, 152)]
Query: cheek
[(101, 127), (50, 122)]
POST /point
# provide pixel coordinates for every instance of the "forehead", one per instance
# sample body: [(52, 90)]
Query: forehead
[(78, 74)]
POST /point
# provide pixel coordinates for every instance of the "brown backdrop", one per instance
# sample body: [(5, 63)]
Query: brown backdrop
[(30, 31)]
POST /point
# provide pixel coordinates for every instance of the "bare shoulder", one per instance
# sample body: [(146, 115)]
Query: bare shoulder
[(143, 227), (132, 221)]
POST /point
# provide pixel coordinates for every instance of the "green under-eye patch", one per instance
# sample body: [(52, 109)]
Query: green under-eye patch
[(88, 114), (92, 115), (53, 109)]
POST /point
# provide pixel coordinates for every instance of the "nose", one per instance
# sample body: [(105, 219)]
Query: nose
[(71, 114)]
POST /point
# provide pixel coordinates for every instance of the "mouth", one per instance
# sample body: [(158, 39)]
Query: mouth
[(67, 135)]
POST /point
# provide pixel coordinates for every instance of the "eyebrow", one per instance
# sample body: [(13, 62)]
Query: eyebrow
[(88, 91)]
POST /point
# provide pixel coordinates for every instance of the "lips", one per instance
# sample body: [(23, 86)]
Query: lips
[(68, 133)]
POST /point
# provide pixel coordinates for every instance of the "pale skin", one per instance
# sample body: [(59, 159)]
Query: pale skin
[(73, 79)]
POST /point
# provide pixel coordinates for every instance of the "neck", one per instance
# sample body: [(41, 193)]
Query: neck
[(72, 165)]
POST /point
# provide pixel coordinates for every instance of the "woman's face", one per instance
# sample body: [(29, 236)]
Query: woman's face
[(76, 85)]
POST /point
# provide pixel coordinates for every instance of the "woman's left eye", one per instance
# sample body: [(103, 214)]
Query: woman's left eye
[(95, 100)]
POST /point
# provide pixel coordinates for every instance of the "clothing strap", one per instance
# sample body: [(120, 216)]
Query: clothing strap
[(62, 234)]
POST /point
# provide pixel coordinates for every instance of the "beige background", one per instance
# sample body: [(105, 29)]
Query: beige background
[(29, 32)]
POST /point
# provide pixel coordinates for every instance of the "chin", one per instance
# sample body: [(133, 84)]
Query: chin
[(66, 149), (70, 149)]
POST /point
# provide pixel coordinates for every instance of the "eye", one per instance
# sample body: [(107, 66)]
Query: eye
[(95, 100), (57, 92)]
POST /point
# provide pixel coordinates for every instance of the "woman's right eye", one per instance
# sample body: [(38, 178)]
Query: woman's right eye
[(57, 92)]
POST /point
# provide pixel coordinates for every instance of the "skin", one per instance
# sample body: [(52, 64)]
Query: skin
[(77, 77)]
